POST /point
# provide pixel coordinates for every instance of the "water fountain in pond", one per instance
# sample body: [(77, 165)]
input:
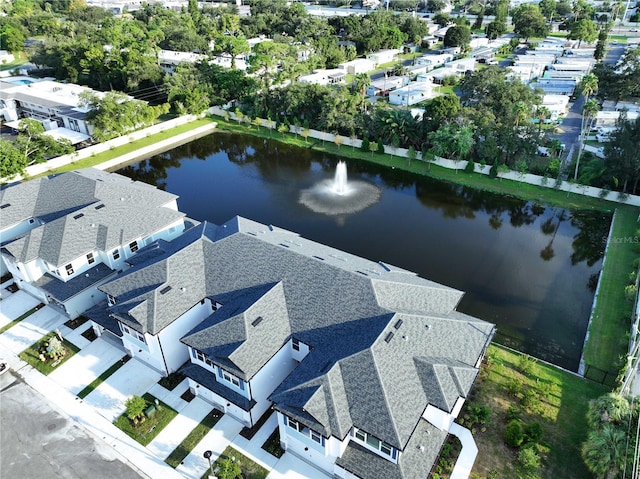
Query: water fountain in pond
[(340, 196)]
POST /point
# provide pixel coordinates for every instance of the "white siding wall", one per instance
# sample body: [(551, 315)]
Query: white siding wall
[(175, 352), (440, 419), (268, 378), (306, 448), (220, 402), (148, 353)]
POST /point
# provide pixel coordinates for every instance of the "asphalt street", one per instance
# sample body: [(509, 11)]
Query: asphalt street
[(37, 441)]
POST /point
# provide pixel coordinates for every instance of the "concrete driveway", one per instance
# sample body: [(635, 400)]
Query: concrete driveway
[(16, 305), (87, 365), (31, 329), (291, 467), (132, 378)]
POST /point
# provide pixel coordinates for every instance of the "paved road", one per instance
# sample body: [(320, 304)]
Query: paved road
[(38, 441)]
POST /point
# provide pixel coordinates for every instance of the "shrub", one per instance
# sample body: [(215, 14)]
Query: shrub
[(526, 363), (630, 292), (365, 144), (532, 432), (513, 413), (380, 146), (528, 462), (513, 436), (493, 171), (228, 469), (514, 386), (530, 398), (470, 167)]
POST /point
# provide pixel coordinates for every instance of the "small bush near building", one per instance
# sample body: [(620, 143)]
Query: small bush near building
[(513, 435)]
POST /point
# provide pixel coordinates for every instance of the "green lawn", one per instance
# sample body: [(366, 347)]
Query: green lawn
[(103, 377), (32, 355), (618, 38), (195, 436), (250, 469), (20, 59), (611, 321), (132, 146), (145, 432), (557, 400), (20, 318)]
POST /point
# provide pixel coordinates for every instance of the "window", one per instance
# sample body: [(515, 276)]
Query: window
[(69, 269), (111, 300), (375, 443), (200, 356), (90, 258), (295, 344), (305, 431), (315, 436), (140, 337), (231, 378), (133, 246), (293, 424), (126, 329), (116, 254)]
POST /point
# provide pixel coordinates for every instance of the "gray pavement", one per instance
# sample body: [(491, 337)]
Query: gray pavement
[(37, 440)]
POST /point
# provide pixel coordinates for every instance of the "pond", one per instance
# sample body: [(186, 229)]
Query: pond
[(528, 267)]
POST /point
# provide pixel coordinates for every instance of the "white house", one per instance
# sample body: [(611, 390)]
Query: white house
[(610, 118), (324, 77), (383, 86), (169, 59), (414, 92), (556, 104), (383, 56), (359, 65), (56, 105), (434, 60), (91, 223)]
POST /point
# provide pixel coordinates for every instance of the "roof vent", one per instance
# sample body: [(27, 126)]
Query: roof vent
[(183, 289), (389, 337), (283, 245), (100, 206), (78, 216), (406, 338), (257, 321), (362, 273), (165, 290), (421, 448), (427, 326), (6, 205), (398, 324), (318, 257)]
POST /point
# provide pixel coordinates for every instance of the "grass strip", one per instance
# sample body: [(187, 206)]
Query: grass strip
[(611, 317), (146, 431), (556, 399), (102, 378), (249, 468), (31, 355), (195, 436), (129, 147), (20, 318)]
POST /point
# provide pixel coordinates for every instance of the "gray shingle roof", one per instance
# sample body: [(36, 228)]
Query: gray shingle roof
[(344, 307), (78, 225)]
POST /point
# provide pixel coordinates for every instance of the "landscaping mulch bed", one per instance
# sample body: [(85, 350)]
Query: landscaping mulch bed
[(171, 381), (188, 395), (12, 288), (90, 334), (249, 432), (272, 444), (77, 322)]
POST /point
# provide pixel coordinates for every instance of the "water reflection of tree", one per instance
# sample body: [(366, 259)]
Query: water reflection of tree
[(152, 171), (550, 227), (588, 244)]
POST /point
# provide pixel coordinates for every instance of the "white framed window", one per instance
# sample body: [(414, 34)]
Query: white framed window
[(295, 344), (90, 258), (305, 431), (126, 329), (116, 254), (69, 269), (200, 356), (111, 300), (133, 246), (375, 443), (231, 378)]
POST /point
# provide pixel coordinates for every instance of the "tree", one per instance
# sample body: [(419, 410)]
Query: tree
[(548, 9), (232, 46), (584, 30), (135, 407), (12, 161), (604, 451), (115, 114), (11, 38), (452, 141), (35, 146), (457, 36), (360, 84), (411, 155), (436, 6), (528, 21), (622, 153)]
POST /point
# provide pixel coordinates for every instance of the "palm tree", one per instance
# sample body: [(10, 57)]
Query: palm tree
[(520, 112), (542, 113), (588, 86), (604, 452), (360, 84), (610, 408), (589, 111)]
